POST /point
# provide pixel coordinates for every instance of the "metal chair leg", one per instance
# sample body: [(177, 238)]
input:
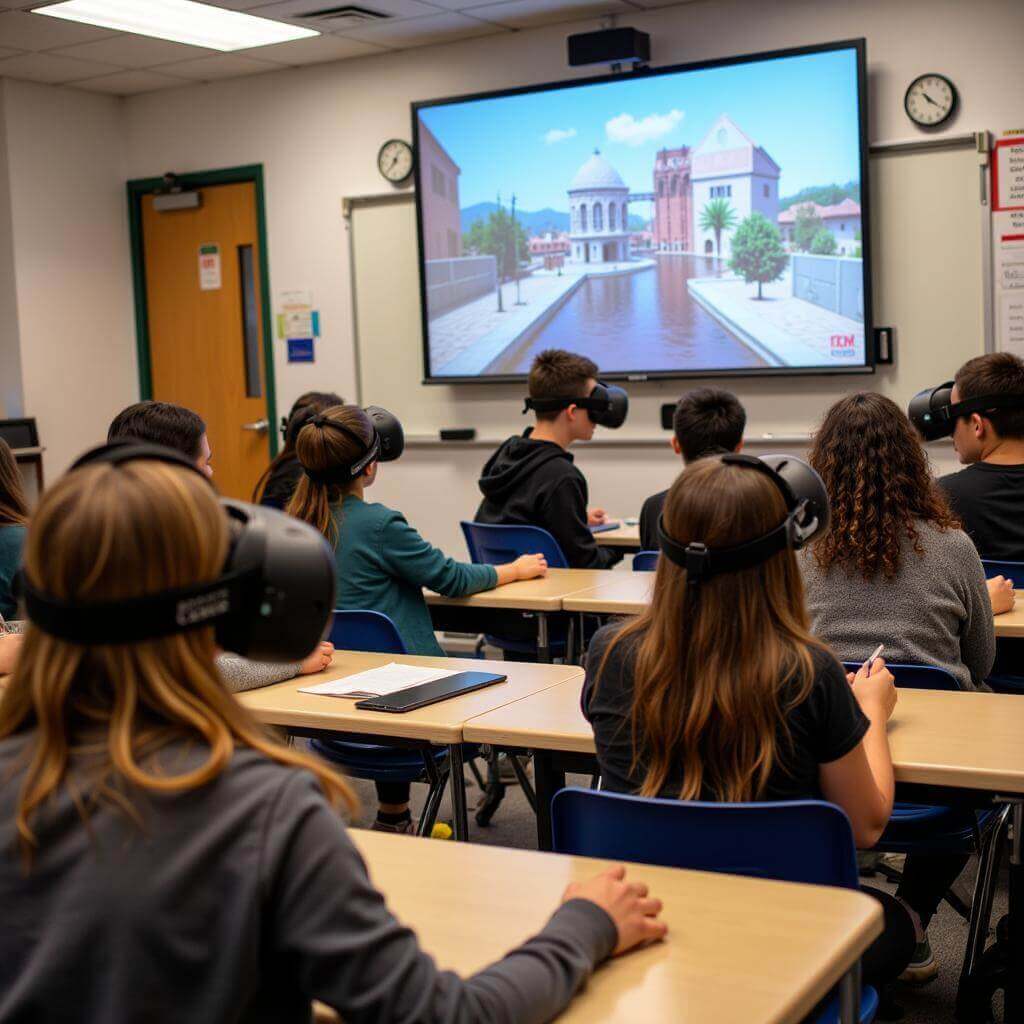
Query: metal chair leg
[(477, 777), (524, 781), (437, 779), (984, 888)]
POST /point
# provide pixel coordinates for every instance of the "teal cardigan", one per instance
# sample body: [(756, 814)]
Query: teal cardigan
[(12, 540), (383, 563)]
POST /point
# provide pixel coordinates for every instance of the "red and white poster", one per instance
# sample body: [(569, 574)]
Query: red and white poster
[(1008, 241)]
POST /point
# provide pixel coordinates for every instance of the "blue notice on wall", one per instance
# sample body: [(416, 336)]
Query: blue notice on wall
[(300, 350)]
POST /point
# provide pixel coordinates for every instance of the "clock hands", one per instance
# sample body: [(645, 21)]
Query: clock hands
[(929, 99)]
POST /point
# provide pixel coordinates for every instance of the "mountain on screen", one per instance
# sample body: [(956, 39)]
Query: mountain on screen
[(535, 223)]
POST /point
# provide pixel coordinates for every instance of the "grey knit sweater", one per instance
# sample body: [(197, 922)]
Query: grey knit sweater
[(935, 611)]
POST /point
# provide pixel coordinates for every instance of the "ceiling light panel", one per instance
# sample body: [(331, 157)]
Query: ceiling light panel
[(182, 21)]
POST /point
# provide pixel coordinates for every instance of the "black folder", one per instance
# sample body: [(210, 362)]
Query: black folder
[(421, 695)]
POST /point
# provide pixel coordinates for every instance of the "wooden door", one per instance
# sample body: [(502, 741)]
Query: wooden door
[(203, 294)]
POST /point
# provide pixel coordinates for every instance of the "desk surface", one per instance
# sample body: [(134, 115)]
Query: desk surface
[(1011, 623), (793, 950), (623, 537), (283, 704), (959, 739), (544, 594), (617, 593)]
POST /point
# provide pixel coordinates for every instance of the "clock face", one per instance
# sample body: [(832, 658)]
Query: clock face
[(395, 160), (930, 100)]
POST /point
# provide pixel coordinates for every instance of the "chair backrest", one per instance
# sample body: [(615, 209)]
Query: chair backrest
[(366, 631), (645, 561), (1011, 570), (495, 545), (791, 841), (915, 677), (20, 433)]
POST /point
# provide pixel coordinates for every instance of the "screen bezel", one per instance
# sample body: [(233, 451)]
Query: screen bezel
[(857, 45)]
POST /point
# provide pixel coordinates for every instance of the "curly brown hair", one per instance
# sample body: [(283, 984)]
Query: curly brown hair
[(879, 485)]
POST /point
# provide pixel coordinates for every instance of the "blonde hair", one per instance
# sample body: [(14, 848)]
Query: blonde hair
[(321, 450), (715, 676), (106, 533)]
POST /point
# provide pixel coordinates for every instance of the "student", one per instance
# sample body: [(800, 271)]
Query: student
[(176, 427), (707, 421), (382, 562), (164, 858), (531, 480), (988, 495), (718, 690), (893, 567), (13, 519), (277, 485)]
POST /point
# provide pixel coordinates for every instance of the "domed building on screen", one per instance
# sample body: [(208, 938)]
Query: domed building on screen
[(599, 213)]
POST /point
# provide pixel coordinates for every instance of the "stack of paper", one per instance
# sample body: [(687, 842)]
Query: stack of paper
[(379, 682)]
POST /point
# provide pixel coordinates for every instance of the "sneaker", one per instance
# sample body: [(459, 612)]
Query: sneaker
[(401, 828), (922, 967)]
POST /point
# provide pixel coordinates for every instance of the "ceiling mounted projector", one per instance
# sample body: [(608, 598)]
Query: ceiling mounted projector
[(610, 46)]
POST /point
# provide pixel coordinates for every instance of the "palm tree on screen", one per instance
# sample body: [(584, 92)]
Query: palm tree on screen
[(717, 216)]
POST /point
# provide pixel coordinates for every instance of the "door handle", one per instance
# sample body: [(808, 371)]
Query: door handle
[(259, 426)]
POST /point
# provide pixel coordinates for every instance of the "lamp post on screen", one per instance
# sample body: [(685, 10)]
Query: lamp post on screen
[(515, 251), (501, 309)]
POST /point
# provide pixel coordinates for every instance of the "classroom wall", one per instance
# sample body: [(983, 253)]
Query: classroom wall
[(10, 354), (68, 222)]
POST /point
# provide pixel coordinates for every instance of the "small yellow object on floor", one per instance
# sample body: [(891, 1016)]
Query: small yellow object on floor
[(441, 831)]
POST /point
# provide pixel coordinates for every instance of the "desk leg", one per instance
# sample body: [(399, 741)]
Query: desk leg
[(457, 780), (1013, 994), (543, 641), (849, 995), (548, 780)]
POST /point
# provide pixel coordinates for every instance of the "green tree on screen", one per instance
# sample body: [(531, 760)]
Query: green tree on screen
[(823, 243), (757, 253), (807, 225), (498, 237), (717, 216)]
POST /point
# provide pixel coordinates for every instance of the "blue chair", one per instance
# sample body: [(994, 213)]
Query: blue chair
[(925, 828), (792, 841), (374, 631), (1008, 671), (645, 561), (490, 544)]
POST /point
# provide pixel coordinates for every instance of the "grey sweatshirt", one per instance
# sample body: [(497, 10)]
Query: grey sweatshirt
[(241, 674), (935, 611), (239, 901)]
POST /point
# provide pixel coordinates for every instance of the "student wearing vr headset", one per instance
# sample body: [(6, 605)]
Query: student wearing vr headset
[(13, 521), (383, 563), (719, 691), (707, 421), (162, 857), (531, 479), (278, 482), (184, 431)]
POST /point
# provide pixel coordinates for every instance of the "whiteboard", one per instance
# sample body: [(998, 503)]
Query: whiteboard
[(929, 283)]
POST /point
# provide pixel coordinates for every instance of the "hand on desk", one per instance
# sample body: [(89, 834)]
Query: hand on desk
[(529, 567), (1001, 594), (596, 517), (10, 645), (634, 913), (319, 660)]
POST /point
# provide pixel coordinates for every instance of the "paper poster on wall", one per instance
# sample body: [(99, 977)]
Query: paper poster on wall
[(300, 350), (209, 267), (298, 323), (1008, 242)]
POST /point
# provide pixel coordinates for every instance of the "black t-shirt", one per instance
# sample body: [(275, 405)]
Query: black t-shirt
[(649, 516), (990, 501), (823, 728)]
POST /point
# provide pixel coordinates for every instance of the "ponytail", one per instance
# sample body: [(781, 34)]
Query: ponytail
[(312, 503)]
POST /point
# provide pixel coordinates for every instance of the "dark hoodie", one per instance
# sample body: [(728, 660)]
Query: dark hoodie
[(534, 483)]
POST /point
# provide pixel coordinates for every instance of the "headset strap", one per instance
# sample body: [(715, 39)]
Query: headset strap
[(135, 619), (331, 476), (555, 404), (982, 403)]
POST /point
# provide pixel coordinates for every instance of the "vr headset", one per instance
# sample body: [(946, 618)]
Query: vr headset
[(934, 413), (607, 405), (806, 516), (386, 445), (272, 600)]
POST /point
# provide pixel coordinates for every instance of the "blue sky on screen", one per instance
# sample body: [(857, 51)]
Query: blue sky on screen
[(802, 110)]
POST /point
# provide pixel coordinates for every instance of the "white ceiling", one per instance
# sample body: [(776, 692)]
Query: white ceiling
[(43, 49)]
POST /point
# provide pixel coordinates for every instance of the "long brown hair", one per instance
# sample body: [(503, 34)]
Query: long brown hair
[(304, 407), (879, 483), (13, 503), (717, 672), (321, 450), (106, 533)]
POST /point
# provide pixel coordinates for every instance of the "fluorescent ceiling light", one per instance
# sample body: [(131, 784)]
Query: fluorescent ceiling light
[(181, 21)]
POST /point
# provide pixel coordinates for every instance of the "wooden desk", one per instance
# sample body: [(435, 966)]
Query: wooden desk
[(618, 593), (1011, 623), (624, 537), (794, 950), (442, 723), (543, 596)]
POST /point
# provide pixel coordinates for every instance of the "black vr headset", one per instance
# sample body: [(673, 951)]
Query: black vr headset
[(272, 600), (934, 413), (807, 515), (606, 405), (386, 445)]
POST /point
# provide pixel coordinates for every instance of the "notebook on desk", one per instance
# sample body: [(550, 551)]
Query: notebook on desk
[(605, 527)]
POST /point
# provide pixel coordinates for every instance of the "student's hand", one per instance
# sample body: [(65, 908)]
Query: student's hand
[(634, 912), (10, 646), (318, 660), (529, 567), (874, 689), (1001, 594), (596, 517)]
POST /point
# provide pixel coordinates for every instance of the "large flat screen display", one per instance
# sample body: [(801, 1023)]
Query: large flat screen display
[(704, 219)]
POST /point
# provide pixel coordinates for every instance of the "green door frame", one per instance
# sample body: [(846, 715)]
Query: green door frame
[(139, 187)]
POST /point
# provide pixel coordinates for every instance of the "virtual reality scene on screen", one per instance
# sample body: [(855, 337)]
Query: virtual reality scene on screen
[(697, 220)]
